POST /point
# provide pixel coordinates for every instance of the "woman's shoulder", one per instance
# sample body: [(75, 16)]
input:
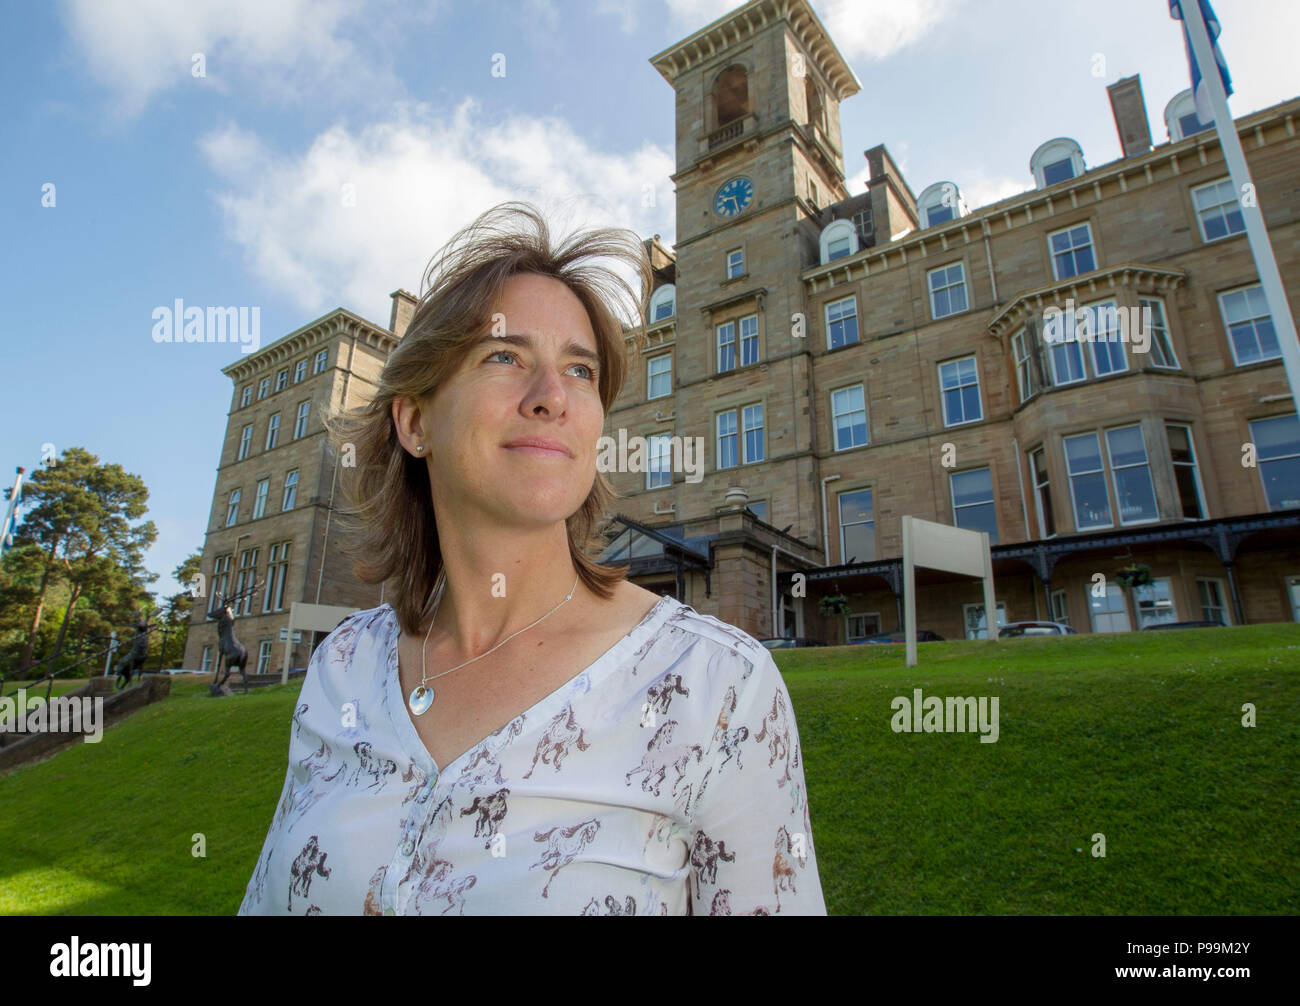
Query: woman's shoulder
[(368, 625), (718, 633)]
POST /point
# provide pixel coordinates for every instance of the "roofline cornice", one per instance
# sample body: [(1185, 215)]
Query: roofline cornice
[(338, 321), (748, 22)]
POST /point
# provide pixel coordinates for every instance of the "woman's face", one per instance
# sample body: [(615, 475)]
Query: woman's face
[(536, 378)]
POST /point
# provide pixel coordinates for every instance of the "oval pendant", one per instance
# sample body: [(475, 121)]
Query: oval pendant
[(421, 699)]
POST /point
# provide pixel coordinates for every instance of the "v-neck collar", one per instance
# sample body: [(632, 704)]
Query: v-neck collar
[(540, 711)]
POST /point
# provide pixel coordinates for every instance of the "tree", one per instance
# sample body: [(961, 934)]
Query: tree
[(81, 514)]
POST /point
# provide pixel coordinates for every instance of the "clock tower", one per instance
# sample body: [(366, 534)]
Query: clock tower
[(759, 156)]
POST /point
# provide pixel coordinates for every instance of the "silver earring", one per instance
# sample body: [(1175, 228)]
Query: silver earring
[(419, 447)]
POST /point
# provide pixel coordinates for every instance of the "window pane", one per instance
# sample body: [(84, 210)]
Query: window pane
[(1277, 442), (1188, 500), (1153, 322), (1133, 492), (1067, 362), (1108, 613), (1087, 483), (1155, 603), (972, 497), (857, 526), (1083, 453), (1276, 438), (972, 487), (860, 543), (938, 214), (1126, 446), (1058, 171), (1133, 489)]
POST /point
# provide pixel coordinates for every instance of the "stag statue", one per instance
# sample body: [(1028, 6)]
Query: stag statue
[(231, 651), (134, 660)]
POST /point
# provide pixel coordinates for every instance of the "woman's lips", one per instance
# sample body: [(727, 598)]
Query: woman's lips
[(547, 452)]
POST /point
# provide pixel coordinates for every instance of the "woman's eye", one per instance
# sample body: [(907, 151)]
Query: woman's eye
[(589, 374)]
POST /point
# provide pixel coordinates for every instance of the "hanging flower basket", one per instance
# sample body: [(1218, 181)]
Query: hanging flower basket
[(1134, 575), (833, 605)]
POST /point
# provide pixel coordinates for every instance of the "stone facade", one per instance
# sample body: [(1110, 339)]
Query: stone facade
[(291, 553)]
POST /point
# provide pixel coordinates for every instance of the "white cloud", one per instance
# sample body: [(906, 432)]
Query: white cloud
[(293, 50), (698, 14), (876, 29), (416, 179), (870, 29), (980, 190), (624, 10)]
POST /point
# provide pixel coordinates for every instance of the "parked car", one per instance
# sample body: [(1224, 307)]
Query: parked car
[(1015, 629), (922, 636), (789, 642), (1183, 625)]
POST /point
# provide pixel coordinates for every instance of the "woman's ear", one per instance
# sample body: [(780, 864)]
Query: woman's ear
[(406, 421)]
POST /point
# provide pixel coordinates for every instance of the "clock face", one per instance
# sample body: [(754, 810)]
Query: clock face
[(733, 197)]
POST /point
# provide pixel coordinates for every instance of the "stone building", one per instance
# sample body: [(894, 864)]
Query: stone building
[(270, 540), (849, 358), (1086, 371)]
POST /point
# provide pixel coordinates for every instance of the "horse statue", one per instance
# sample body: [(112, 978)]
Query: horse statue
[(134, 660), (231, 651)]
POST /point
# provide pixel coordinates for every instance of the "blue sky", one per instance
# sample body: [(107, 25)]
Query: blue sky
[(224, 189)]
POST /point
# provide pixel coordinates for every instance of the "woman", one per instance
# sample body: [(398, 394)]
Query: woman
[(522, 730)]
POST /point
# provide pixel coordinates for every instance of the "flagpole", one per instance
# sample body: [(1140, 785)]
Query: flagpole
[(1256, 234)]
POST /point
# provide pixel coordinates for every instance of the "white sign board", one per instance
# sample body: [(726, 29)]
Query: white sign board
[(952, 549)]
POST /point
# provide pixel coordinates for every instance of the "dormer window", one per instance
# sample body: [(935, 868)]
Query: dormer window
[(939, 203), (1181, 120), (1056, 161), (663, 303), (839, 240)]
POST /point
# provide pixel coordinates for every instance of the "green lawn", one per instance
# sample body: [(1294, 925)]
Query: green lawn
[(1137, 737)]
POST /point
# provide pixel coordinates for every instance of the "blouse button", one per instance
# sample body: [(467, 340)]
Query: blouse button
[(408, 847)]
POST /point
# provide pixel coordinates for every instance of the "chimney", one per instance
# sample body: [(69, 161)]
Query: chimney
[(403, 308), (1130, 111), (893, 206)]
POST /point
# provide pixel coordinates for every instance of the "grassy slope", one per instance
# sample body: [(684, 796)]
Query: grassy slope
[(1138, 737)]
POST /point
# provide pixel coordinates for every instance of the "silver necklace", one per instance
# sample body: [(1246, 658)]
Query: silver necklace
[(421, 697)]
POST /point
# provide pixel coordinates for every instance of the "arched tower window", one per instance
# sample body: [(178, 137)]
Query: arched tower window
[(813, 99), (731, 95)]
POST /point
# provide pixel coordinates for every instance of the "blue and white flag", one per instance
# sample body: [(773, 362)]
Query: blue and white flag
[(1204, 110)]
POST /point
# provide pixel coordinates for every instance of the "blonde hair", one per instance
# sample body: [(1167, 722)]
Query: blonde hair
[(389, 506)]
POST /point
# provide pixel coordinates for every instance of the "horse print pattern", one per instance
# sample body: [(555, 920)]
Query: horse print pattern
[(673, 760)]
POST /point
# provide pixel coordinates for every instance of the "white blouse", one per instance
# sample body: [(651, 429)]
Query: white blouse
[(665, 779)]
